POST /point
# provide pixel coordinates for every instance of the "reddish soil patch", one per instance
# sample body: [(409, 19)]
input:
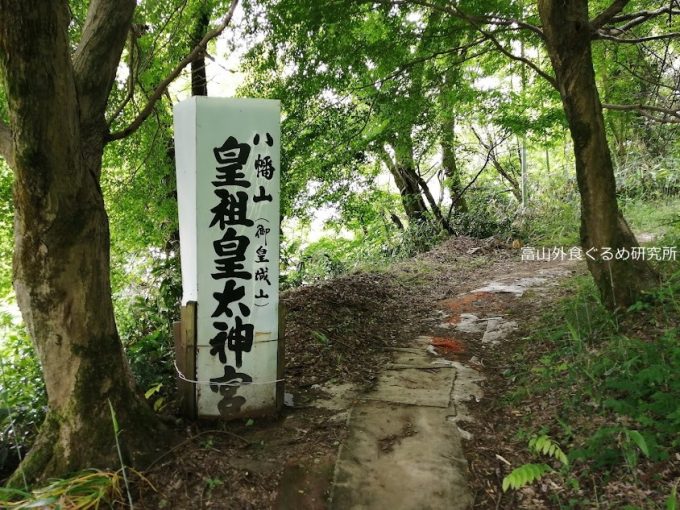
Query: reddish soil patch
[(449, 344), (464, 304)]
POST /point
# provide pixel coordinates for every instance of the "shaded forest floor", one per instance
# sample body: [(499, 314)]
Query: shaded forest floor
[(338, 333)]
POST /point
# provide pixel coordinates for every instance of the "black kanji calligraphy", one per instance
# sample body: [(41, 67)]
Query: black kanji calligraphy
[(240, 339), (230, 176), (230, 294), (232, 209), (261, 232), (232, 250), (261, 295), (231, 245), (229, 268), (261, 253), (269, 141), (232, 156), (219, 341), (232, 152), (227, 386), (262, 274), (264, 167), (262, 196), (231, 379)]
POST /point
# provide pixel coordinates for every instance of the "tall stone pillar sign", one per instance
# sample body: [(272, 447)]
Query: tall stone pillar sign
[(228, 171)]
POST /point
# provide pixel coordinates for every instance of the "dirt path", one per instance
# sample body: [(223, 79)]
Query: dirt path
[(404, 448), (382, 369)]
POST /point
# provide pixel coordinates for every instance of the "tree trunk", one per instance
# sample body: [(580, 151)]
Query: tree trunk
[(411, 199), (199, 87), (434, 206), (568, 38), (414, 206), (450, 164), (199, 82), (61, 259)]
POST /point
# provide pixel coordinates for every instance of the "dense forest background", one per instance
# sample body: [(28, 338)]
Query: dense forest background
[(403, 123)]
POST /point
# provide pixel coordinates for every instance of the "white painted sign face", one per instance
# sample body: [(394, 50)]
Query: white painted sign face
[(228, 175)]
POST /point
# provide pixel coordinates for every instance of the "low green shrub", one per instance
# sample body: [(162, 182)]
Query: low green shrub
[(23, 399)]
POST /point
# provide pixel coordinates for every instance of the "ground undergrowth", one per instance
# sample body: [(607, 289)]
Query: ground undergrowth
[(583, 406)]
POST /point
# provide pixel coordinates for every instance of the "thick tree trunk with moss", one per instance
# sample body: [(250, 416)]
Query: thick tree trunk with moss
[(568, 37), (57, 103)]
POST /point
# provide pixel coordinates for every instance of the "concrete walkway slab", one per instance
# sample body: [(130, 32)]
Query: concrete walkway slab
[(427, 383), (400, 457)]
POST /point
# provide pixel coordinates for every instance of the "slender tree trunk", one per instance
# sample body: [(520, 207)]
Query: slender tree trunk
[(434, 206), (406, 181), (199, 87), (490, 146), (199, 82), (449, 162), (568, 37), (61, 260), (411, 199)]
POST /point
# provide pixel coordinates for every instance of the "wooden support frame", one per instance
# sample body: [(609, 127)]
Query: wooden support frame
[(281, 360), (185, 355)]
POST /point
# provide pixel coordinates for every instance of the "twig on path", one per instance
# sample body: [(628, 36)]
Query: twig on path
[(189, 439)]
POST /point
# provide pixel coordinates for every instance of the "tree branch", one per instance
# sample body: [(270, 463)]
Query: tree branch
[(163, 85), (645, 109), (636, 40), (605, 16), (518, 58), (403, 67), (476, 23), (457, 198), (96, 58), (456, 12), (6, 144), (648, 14)]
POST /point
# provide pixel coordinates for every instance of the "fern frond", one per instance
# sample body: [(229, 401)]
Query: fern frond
[(546, 446), (524, 475)]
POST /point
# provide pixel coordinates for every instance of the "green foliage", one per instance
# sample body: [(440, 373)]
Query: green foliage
[(524, 475), (648, 178), (417, 238), (116, 433), (657, 217), (489, 213), (320, 337), (6, 229), (145, 311), (529, 473), (544, 445), (86, 490), (672, 500), (374, 245), (623, 389), (641, 380), (553, 219), (22, 392)]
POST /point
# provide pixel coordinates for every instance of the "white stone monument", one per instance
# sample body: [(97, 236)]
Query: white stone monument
[(228, 174)]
